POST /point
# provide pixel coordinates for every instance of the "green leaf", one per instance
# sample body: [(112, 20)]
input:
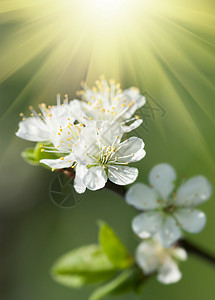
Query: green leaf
[(34, 155), (111, 287), (81, 266), (113, 247), (29, 156)]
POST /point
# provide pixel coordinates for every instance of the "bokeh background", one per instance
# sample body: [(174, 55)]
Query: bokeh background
[(167, 49)]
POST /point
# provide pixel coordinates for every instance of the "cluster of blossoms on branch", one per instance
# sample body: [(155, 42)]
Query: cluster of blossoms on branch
[(89, 136)]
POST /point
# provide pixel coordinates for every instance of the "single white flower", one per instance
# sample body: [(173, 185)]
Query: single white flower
[(151, 257), (101, 155), (42, 126), (165, 212), (106, 101)]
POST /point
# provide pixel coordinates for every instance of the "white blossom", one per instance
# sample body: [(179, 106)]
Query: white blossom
[(106, 101), (151, 257), (97, 154), (101, 155), (167, 212), (42, 126)]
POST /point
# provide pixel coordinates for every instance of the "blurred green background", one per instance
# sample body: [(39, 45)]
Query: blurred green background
[(168, 51)]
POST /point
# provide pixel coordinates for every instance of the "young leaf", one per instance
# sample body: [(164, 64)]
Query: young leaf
[(34, 155), (81, 266), (113, 247), (29, 156), (112, 286)]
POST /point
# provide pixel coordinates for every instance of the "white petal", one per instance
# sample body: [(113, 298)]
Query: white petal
[(34, 130), (191, 220), (108, 131), (146, 257), (122, 175), (132, 93), (131, 150), (169, 272), (147, 224), (59, 163), (80, 172), (132, 126), (193, 192), (161, 177), (169, 232), (179, 253), (142, 197), (95, 178)]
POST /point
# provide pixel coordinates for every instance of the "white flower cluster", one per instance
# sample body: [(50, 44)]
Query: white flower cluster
[(166, 212), (88, 134)]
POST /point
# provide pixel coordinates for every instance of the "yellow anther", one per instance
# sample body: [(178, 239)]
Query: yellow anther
[(89, 103), (117, 169), (68, 139), (95, 107), (61, 142), (137, 117), (72, 167), (62, 158), (58, 146), (126, 163), (113, 107), (84, 117), (108, 110), (80, 93), (21, 114), (128, 105), (61, 130), (68, 119), (90, 118), (68, 145), (102, 109), (117, 136), (69, 160), (53, 169), (42, 150), (58, 133), (41, 146), (32, 115), (123, 104), (114, 113), (68, 132)]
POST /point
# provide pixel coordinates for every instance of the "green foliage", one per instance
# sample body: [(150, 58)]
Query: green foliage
[(81, 266), (108, 263), (113, 247), (34, 155), (114, 286)]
